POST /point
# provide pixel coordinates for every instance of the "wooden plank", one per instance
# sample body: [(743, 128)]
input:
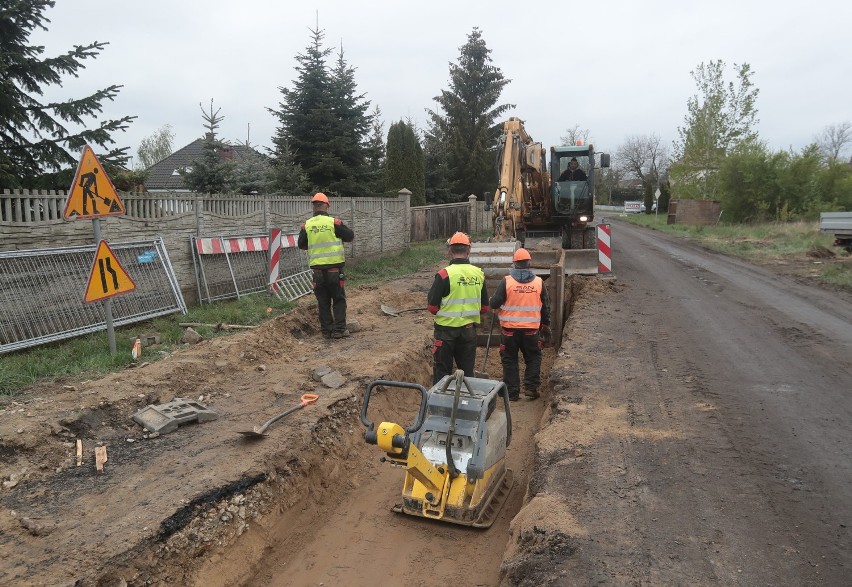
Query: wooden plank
[(100, 458)]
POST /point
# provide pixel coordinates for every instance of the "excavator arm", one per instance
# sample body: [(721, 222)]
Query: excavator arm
[(523, 182)]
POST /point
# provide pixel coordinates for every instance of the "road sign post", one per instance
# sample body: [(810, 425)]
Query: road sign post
[(657, 204), (92, 195)]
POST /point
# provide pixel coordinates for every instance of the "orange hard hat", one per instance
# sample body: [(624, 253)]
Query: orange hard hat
[(521, 255), (320, 197), (459, 238)]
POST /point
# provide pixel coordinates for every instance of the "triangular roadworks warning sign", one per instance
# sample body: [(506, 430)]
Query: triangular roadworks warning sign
[(92, 194), (107, 277)]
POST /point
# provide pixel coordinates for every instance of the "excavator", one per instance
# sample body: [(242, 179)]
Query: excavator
[(547, 210), (454, 453), (534, 202)]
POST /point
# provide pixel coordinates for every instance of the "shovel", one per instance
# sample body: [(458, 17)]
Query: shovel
[(394, 312), (259, 431), (482, 374)]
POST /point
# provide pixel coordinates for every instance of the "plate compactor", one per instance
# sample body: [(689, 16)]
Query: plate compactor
[(454, 453)]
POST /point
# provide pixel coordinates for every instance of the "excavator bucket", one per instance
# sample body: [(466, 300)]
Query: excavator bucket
[(581, 262)]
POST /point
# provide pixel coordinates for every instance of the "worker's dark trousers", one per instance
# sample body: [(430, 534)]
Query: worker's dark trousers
[(529, 344), (451, 343), (328, 288)]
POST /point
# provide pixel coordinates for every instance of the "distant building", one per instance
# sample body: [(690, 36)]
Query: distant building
[(165, 175)]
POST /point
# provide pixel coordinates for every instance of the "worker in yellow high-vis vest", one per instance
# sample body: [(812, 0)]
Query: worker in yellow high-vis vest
[(457, 298), (323, 237), (523, 307)]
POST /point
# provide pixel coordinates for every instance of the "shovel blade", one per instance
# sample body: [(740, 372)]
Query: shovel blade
[(390, 311)]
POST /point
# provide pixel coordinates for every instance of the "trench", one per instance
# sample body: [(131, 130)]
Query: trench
[(328, 518), (343, 531)]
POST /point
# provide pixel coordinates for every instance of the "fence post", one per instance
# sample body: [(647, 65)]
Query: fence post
[(352, 225), (472, 227), (197, 206), (405, 196), (381, 225)]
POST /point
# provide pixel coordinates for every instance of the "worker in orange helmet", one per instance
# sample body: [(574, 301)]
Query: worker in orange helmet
[(523, 307), (457, 299), (323, 237)]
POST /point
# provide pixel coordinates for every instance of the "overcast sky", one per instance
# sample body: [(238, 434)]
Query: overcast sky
[(616, 67)]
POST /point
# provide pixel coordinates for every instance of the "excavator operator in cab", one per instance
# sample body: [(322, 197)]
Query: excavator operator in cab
[(573, 172)]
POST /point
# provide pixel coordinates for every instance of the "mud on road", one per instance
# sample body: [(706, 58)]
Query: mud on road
[(639, 465)]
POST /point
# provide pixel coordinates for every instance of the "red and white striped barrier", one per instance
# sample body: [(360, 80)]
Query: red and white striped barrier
[(274, 257), (604, 249), (279, 241), (218, 245)]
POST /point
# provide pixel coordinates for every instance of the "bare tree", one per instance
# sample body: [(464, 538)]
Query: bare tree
[(644, 157), (834, 139), (574, 134), (156, 147)]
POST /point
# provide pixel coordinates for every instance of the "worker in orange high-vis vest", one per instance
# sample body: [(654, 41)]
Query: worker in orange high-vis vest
[(457, 298), (523, 307), (323, 237)]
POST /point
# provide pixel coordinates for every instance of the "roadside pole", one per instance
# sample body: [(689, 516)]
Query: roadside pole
[(96, 225), (657, 204), (91, 188)]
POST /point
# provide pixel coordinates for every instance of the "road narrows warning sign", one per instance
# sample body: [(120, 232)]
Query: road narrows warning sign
[(107, 277), (92, 194)]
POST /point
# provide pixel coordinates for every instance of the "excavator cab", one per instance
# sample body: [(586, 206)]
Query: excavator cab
[(571, 189)]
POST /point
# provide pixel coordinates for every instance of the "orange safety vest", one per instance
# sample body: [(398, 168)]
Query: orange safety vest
[(522, 308)]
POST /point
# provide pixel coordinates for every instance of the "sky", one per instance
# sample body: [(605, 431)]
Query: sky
[(617, 68)]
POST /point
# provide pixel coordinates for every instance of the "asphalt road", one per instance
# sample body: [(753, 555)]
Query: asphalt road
[(768, 479)]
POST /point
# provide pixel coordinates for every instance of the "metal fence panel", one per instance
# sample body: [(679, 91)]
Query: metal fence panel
[(231, 267), (41, 292)]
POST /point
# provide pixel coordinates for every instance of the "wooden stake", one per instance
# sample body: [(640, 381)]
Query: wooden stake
[(79, 452)]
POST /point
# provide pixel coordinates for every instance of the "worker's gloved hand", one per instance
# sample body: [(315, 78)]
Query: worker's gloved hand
[(544, 333)]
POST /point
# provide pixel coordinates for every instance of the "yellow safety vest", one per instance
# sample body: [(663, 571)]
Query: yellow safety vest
[(522, 308), (464, 302), (324, 248)]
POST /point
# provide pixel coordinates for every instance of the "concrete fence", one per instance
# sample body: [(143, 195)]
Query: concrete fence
[(31, 219)]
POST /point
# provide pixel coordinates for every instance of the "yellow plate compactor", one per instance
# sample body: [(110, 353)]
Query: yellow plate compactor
[(454, 453)]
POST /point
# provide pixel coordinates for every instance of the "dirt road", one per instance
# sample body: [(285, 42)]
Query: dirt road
[(706, 409), (695, 430)]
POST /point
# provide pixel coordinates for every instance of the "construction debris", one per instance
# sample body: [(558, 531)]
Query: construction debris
[(219, 326), (165, 418)]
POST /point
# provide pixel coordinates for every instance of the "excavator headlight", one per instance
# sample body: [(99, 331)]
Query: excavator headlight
[(584, 218)]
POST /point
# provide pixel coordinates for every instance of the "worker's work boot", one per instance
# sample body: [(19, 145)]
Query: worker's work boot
[(531, 393), (326, 334), (340, 334), (514, 396)]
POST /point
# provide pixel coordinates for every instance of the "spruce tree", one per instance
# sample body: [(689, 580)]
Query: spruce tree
[(323, 122), (469, 117), (307, 121), (37, 137), (288, 176), (353, 126), (404, 168), (211, 173)]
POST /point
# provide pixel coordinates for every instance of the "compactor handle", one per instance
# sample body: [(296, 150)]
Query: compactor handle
[(421, 413)]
